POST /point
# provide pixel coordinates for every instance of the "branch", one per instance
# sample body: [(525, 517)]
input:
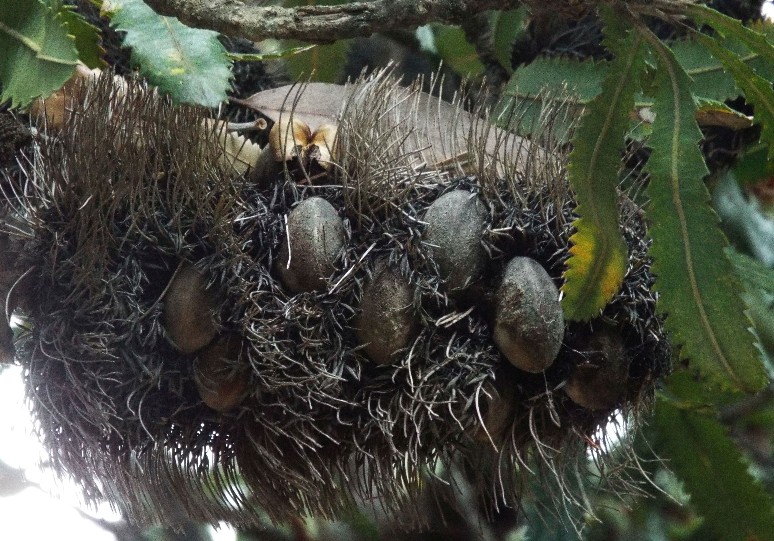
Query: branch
[(320, 24)]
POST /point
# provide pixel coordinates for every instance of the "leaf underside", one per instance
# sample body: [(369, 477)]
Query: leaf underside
[(599, 255), (698, 289), (37, 55), (189, 64)]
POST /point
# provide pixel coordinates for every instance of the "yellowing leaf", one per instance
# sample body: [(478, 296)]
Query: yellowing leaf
[(599, 255)]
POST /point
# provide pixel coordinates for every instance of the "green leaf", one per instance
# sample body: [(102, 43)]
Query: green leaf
[(753, 166), (507, 26), (752, 271), (598, 256), (759, 281), (733, 504), (743, 222), (698, 290), (87, 38), (711, 80), (324, 63), (583, 79), (728, 26), (456, 51), (37, 56), (189, 64), (757, 90), (549, 83), (273, 55)]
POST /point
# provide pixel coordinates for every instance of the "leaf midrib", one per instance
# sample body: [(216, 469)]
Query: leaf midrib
[(677, 200), (33, 46), (589, 285)]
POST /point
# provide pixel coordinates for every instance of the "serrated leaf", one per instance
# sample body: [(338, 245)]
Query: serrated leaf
[(752, 271), (598, 256), (507, 26), (583, 79), (733, 504), (728, 26), (698, 290), (37, 55), (712, 81), (752, 166), (87, 38), (189, 64), (709, 75), (549, 83), (757, 90), (456, 51), (743, 222)]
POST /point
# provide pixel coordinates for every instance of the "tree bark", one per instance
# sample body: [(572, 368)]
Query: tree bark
[(320, 24)]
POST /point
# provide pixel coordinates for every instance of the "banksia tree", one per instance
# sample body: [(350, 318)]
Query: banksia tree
[(395, 287)]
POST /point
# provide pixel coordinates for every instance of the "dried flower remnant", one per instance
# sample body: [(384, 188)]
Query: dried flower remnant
[(375, 321)]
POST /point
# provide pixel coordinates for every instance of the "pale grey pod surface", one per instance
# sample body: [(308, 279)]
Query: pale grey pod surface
[(455, 224), (386, 322), (189, 307), (529, 324), (315, 239)]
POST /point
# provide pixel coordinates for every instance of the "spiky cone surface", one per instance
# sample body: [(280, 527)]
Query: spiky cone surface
[(116, 202)]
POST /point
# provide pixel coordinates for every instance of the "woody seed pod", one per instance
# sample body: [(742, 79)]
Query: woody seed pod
[(221, 373), (315, 238), (499, 407), (323, 412), (455, 223), (600, 382), (529, 324), (386, 323), (189, 307)]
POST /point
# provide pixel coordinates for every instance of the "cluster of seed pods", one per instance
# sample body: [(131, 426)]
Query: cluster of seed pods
[(315, 318), (527, 323)]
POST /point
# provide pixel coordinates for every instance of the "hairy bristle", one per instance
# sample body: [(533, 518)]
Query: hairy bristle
[(133, 189)]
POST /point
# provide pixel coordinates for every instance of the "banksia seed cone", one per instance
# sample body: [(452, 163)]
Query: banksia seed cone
[(336, 337)]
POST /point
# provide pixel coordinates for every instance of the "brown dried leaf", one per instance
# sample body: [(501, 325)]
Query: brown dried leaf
[(442, 132)]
